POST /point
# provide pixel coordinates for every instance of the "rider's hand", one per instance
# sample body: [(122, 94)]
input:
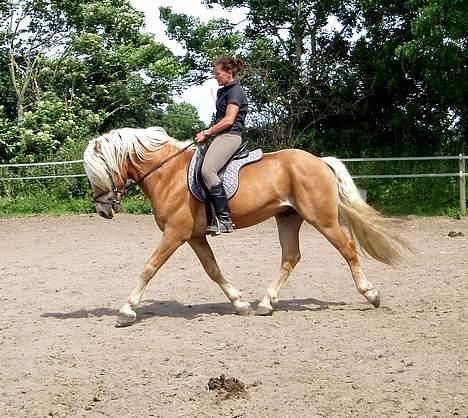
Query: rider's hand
[(201, 137)]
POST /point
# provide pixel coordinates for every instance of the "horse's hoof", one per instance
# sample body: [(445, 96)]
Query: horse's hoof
[(126, 317), (373, 296), (120, 323), (243, 309), (264, 310)]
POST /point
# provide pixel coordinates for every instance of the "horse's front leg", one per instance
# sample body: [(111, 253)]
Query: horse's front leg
[(205, 254), (169, 243)]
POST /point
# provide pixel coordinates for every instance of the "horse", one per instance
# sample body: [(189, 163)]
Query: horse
[(291, 185)]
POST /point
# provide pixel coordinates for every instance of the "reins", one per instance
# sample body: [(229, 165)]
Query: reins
[(131, 184)]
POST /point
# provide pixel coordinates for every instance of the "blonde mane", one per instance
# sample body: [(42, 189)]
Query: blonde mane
[(107, 153)]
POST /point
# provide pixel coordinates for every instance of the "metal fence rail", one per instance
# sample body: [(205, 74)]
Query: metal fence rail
[(44, 164), (442, 157), (462, 174), (63, 176), (40, 164)]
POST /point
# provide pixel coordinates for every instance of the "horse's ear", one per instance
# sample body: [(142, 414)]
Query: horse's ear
[(97, 146)]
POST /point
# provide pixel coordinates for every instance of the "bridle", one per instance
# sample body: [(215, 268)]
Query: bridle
[(130, 184)]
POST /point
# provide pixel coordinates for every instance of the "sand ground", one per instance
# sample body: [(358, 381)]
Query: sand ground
[(325, 351)]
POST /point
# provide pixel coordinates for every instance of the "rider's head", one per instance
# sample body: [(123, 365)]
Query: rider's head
[(226, 69)]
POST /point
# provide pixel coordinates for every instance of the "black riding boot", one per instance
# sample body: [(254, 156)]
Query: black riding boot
[(222, 221)]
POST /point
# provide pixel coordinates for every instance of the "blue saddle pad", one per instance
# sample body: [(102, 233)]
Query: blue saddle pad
[(230, 175)]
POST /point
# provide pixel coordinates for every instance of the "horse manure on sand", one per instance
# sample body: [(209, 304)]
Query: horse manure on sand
[(452, 234), (230, 387)]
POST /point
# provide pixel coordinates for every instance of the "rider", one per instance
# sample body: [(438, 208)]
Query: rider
[(231, 109)]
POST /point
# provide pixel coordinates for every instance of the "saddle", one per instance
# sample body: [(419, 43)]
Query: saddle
[(229, 174)]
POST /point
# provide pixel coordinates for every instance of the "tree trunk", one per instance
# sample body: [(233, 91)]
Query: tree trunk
[(18, 91), (298, 33), (20, 109)]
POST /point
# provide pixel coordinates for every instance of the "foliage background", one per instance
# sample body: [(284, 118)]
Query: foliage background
[(347, 78)]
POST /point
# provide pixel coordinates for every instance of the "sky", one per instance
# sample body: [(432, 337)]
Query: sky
[(202, 96)]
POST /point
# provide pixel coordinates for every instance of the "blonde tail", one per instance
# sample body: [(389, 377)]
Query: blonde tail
[(367, 226)]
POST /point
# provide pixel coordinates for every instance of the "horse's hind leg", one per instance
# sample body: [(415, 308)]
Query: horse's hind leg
[(203, 250), (347, 248), (166, 248), (289, 225)]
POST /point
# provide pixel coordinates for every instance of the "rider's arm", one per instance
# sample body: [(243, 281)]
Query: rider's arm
[(232, 110), (225, 123)]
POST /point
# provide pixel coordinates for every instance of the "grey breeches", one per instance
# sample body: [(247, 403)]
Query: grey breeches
[(219, 152)]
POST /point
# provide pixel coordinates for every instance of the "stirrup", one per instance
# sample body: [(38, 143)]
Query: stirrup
[(219, 227)]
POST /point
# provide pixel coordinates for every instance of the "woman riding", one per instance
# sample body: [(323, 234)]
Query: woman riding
[(231, 110)]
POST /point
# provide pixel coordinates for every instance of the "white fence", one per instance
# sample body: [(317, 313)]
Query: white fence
[(46, 164), (461, 174)]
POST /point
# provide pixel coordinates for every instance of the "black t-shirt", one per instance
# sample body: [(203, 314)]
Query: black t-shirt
[(232, 93)]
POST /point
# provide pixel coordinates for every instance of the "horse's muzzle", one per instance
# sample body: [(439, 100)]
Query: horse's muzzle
[(105, 211), (116, 207), (105, 214)]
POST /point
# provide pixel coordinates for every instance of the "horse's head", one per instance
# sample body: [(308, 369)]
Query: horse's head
[(107, 175), (112, 158)]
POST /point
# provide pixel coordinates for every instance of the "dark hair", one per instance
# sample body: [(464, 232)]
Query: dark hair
[(228, 63)]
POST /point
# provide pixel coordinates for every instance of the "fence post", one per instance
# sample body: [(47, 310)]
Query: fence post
[(461, 166)]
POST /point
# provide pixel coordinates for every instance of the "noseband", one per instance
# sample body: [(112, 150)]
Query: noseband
[(115, 200), (130, 184)]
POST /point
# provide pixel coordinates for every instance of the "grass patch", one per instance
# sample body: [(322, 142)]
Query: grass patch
[(421, 197), (33, 205), (29, 205), (137, 205)]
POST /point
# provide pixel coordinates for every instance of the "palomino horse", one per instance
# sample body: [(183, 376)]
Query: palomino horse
[(291, 185)]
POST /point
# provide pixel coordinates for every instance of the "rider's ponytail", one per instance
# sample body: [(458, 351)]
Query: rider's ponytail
[(228, 63), (240, 63)]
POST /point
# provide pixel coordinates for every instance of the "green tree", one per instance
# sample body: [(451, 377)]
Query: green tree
[(181, 121), (436, 56), (74, 68), (357, 86), (403, 114), (203, 42), (28, 29), (295, 63)]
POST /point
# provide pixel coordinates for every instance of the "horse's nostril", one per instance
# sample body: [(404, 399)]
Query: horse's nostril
[(101, 213)]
